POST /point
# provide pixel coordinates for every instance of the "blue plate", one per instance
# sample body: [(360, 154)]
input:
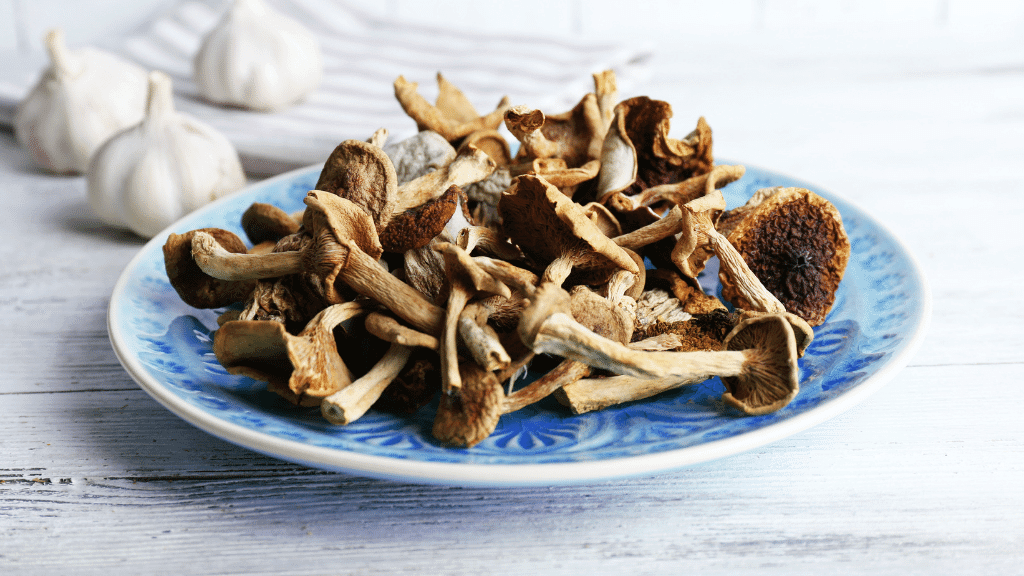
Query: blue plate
[(879, 319)]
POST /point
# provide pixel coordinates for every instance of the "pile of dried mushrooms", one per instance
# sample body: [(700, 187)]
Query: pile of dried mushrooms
[(444, 264)]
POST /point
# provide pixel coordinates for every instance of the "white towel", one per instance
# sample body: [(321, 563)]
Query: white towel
[(363, 56)]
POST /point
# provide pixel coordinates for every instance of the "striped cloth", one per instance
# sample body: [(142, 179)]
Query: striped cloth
[(363, 56)]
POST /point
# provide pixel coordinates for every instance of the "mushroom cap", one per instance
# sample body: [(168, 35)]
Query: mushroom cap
[(472, 413), (600, 315), (416, 227), (309, 363), (492, 143), (794, 242), (546, 224), (263, 222), (638, 153), (195, 287), (770, 378), (362, 173)]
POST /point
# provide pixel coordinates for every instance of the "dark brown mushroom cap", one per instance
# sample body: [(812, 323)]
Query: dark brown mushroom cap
[(195, 287), (362, 173), (263, 222), (580, 130), (547, 224), (794, 242), (414, 386), (415, 228), (771, 376), (469, 415)]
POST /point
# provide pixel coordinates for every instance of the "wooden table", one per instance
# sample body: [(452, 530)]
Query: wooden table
[(925, 477)]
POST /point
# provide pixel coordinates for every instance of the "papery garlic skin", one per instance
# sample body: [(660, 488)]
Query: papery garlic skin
[(257, 58), (148, 176), (82, 99)]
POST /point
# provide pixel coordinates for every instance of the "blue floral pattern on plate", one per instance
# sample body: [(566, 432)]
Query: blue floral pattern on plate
[(878, 319)]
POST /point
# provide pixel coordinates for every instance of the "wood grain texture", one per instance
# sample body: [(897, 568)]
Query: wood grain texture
[(925, 477)]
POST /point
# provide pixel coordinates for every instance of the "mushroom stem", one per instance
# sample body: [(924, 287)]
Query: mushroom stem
[(214, 260), (351, 402), (660, 229), (364, 275), (746, 282), (563, 336), (390, 330), (590, 394), (458, 296), (566, 372), (480, 339), (379, 137)]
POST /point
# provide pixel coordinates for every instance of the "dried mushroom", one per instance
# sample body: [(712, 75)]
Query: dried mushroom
[(362, 173), (638, 152), (794, 242), (453, 116), (195, 287), (304, 368)]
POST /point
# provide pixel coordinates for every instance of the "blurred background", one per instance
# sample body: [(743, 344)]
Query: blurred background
[(22, 22)]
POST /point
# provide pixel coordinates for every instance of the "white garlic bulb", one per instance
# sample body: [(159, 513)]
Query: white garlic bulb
[(257, 58), (148, 176), (84, 97)]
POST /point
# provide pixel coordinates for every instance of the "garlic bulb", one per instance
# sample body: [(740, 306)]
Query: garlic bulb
[(258, 58), (83, 98), (150, 175)]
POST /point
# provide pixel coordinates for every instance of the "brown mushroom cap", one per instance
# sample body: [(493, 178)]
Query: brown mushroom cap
[(794, 242), (466, 417), (263, 222), (195, 287), (362, 173), (416, 227), (770, 378), (547, 224)]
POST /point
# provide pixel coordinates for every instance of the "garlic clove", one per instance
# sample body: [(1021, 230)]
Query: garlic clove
[(148, 176), (257, 58), (83, 98)]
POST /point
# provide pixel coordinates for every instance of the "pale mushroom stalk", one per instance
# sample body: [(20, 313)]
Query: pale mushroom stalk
[(480, 339), (562, 336), (699, 229), (359, 271), (668, 225), (390, 330), (563, 374), (590, 394), (471, 165), (351, 402), (547, 327)]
